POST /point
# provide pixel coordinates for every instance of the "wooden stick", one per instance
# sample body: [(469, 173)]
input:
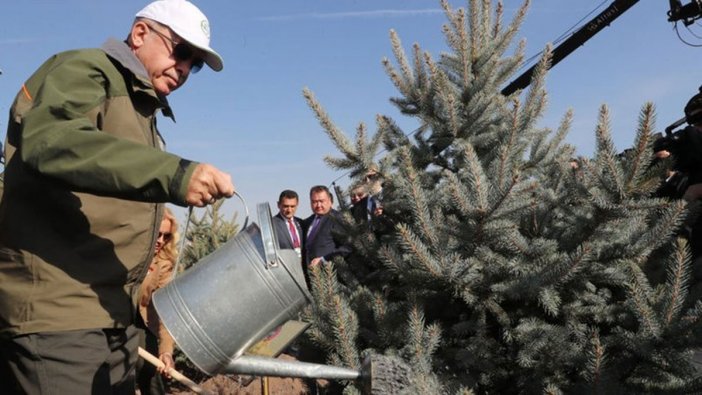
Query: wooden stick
[(174, 373)]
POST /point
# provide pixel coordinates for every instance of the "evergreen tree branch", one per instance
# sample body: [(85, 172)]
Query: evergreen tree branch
[(546, 151), (677, 281), (477, 181), (345, 326), (418, 202), (606, 156), (403, 78), (596, 362), (460, 194), (419, 254), (641, 158), (422, 343), (337, 136), (497, 27), (406, 75), (536, 97), (640, 291)]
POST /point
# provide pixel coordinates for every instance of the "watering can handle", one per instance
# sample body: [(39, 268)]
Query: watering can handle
[(270, 242), (246, 210), (185, 232)]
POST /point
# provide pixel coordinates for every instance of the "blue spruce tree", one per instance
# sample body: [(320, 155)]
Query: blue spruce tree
[(501, 263)]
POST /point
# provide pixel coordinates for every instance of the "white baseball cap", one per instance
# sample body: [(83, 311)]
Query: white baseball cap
[(188, 22)]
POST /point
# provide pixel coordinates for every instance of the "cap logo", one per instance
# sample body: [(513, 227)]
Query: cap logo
[(205, 26)]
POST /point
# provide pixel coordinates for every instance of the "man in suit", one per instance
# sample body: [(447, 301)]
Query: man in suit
[(288, 227), (323, 242)]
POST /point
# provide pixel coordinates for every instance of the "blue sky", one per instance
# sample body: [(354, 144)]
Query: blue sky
[(252, 121)]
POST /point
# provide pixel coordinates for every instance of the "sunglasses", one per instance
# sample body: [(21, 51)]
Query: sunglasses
[(166, 236), (183, 52)]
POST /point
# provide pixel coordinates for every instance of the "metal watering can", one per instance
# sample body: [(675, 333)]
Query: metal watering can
[(233, 298)]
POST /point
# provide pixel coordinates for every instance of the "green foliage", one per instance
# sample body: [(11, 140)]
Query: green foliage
[(206, 234), (509, 266)]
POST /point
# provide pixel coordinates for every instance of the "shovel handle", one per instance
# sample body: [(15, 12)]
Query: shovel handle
[(174, 373)]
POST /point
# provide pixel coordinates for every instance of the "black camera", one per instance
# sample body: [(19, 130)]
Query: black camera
[(687, 13), (685, 147)]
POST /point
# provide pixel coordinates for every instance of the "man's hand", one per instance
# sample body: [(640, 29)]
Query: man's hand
[(208, 184), (168, 362), (317, 261), (693, 192)]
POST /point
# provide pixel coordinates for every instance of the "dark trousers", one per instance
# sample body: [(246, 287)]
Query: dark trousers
[(89, 361)]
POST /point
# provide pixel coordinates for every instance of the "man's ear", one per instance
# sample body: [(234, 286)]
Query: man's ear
[(137, 35)]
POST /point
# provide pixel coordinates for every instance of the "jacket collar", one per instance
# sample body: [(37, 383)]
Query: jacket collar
[(120, 51), (296, 220)]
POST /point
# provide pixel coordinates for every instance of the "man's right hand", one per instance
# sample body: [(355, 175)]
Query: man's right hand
[(208, 184)]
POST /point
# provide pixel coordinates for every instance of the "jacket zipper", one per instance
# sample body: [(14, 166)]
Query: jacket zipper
[(150, 256)]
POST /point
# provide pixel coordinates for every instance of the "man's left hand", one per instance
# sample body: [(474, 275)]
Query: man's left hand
[(167, 359), (316, 261)]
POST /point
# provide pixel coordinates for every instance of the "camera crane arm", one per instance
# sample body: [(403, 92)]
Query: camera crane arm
[(687, 13), (577, 39)]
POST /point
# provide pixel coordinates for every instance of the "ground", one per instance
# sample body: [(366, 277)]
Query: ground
[(225, 385)]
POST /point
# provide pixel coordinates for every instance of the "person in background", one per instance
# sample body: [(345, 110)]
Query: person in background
[(323, 241), (153, 336), (365, 198), (359, 199), (365, 208), (357, 194), (288, 227), (86, 177), (374, 187)]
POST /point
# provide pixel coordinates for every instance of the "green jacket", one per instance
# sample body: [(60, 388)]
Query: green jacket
[(85, 173)]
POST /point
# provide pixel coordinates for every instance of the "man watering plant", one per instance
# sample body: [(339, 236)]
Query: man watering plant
[(85, 179)]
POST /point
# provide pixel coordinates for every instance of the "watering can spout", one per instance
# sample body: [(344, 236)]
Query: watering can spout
[(264, 366)]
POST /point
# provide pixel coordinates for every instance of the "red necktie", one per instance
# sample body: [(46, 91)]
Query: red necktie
[(293, 233)]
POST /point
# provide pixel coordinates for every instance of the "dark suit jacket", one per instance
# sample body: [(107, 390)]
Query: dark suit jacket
[(281, 231), (325, 242), (361, 212)]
